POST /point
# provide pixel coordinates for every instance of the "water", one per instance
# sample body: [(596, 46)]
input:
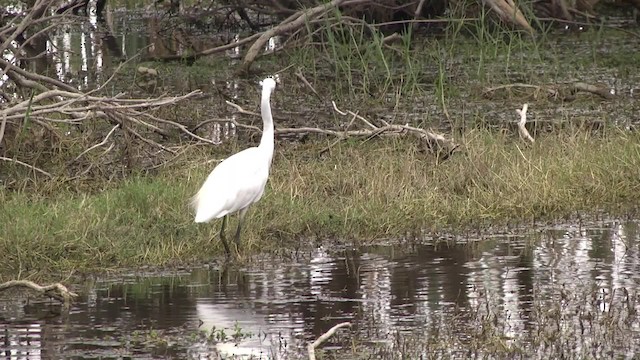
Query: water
[(520, 284)]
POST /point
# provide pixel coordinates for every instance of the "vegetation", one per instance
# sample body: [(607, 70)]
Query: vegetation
[(359, 192), (91, 185), (117, 195)]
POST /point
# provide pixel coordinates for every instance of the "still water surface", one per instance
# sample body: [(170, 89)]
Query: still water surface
[(273, 308)]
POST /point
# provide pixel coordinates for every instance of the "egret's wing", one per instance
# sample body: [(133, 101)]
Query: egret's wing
[(234, 184)]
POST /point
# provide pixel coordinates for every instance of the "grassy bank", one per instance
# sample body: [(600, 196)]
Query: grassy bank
[(360, 191)]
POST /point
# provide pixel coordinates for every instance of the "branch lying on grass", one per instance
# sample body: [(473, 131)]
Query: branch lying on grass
[(524, 133), (434, 141), (26, 165), (2, 126), (601, 91), (311, 348), (103, 142), (55, 291), (558, 91), (82, 107)]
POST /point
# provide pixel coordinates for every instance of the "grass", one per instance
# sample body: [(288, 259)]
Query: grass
[(360, 191), (377, 190)]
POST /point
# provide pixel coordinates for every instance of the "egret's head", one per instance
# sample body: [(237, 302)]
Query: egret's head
[(268, 84)]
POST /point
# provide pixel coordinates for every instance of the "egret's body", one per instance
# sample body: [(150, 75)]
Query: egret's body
[(239, 181)]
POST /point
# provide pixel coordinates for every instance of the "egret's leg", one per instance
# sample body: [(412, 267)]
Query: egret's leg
[(223, 237), (241, 215)]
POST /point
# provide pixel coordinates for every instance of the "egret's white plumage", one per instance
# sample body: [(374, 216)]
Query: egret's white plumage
[(239, 181)]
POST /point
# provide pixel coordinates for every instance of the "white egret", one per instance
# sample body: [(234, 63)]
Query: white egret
[(239, 180)]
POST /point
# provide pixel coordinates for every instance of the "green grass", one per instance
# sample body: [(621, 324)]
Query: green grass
[(115, 216), (360, 192)]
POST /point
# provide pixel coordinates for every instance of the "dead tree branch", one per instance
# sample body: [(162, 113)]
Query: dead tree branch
[(103, 142), (26, 165), (556, 91), (434, 141), (311, 348), (292, 23), (522, 130), (55, 291)]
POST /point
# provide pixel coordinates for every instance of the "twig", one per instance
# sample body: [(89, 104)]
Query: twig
[(345, 113), (55, 291), (311, 348), (220, 120), (418, 10), (553, 92), (524, 133), (390, 129), (148, 141), (211, 51), (2, 126), (240, 109), (103, 142), (306, 82), (27, 165)]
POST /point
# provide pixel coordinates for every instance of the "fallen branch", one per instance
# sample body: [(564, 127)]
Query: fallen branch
[(522, 130), (429, 137), (557, 91), (292, 23), (2, 126), (55, 291), (509, 12), (602, 91), (311, 348), (26, 165), (488, 92), (103, 142)]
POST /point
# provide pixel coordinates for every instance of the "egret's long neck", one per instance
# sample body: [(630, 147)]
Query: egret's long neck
[(266, 142)]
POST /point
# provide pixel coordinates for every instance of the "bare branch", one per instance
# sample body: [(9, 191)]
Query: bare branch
[(27, 165), (387, 129), (55, 291), (103, 142), (558, 91), (524, 133), (311, 348), (2, 126), (300, 18)]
